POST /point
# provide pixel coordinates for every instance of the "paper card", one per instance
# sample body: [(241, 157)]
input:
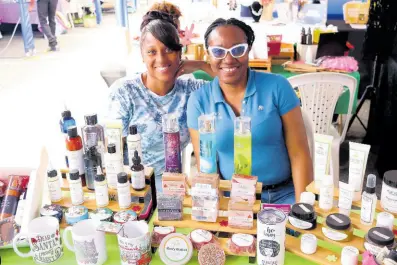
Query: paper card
[(109, 227)]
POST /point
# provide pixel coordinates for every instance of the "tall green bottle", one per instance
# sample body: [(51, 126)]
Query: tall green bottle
[(242, 145)]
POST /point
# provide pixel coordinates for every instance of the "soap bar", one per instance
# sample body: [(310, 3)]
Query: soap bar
[(240, 215), (174, 183), (200, 237), (243, 188), (170, 207), (204, 180), (160, 232), (242, 244), (205, 208)]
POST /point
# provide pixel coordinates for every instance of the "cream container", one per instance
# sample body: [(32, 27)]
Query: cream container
[(378, 238), (349, 255), (309, 244), (385, 219), (358, 156), (389, 191)]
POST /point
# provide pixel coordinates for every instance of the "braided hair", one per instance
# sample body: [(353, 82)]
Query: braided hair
[(162, 26), (249, 33)]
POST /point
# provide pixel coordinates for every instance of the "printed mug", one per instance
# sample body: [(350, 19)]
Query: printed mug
[(89, 244), (44, 240), (135, 243)]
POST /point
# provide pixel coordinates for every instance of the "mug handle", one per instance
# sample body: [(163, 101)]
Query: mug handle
[(14, 245), (66, 240)]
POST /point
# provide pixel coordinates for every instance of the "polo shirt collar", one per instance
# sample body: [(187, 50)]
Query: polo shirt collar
[(249, 91)]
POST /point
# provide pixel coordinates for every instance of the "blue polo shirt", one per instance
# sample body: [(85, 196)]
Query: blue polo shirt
[(267, 98)]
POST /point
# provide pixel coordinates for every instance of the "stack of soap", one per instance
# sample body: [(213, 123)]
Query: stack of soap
[(240, 215), (170, 207), (244, 188), (205, 197), (174, 183)]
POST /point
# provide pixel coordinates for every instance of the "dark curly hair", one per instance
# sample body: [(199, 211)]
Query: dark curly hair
[(162, 26), (249, 33)]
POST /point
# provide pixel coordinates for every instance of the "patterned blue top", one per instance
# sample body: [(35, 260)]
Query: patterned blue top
[(133, 103)]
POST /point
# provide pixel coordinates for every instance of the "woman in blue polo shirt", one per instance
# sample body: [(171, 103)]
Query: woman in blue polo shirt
[(280, 153)]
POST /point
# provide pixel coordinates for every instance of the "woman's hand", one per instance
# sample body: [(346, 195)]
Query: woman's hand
[(190, 66)]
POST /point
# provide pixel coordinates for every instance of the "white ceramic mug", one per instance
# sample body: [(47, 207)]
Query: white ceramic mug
[(135, 243), (44, 240), (89, 244)]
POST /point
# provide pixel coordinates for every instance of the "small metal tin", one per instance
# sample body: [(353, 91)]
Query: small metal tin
[(102, 214), (53, 210), (125, 216), (76, 214)]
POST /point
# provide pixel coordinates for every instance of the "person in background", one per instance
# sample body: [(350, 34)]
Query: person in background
[(280, 152), (46, 10), (144, 98)]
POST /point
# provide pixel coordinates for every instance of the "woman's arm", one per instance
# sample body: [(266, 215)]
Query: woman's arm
[(190, 66), (194, 135), (298, 150)]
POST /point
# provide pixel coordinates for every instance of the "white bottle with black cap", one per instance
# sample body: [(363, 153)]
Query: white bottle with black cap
[(114, 165), (123, 191), (101, 189), (76, 188), (368, 201), (133, 143), (54, 186)]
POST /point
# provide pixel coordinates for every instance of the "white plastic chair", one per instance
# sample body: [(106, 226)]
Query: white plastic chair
[(309, 131), (187, 159), (319, 94)]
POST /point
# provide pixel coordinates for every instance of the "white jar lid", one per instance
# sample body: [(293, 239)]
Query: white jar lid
[(309, 244), (385, 220), (176, 249), (349, 256), (308, 197)]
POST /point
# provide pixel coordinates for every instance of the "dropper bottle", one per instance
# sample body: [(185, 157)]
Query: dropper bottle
[(368, 201)]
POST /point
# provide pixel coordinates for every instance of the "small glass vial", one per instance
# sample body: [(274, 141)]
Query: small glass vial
[(137, 173), (368, 201), (54, 186), (76, 188), (101, 189), (207, 144), (326, 200), (114, 165), (242, 146), (123, 191)]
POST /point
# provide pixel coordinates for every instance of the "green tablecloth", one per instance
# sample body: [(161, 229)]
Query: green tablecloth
[(342, 104)]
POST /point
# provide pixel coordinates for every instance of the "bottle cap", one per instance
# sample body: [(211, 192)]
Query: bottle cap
[(91, 119), (111, 148), (74, 174), (99, 175), (381, 236), (308, 244), (133, 129), (308, 197), (371, 183), (66, 114), (338, 221), (349, 255), (136, 160), (242, 125), (327, 181), (390, 178), (52, 173), (303, 211), (122, 178), (72, 131), (170, 123)]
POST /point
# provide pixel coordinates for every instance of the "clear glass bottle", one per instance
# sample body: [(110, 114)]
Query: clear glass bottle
[(101, 189), (368, 201), (242, 145), (76, 189), (54, 186), (123, 191), (92, 159), (93, 135), (114, 165), (133, 143), (207, 144), (172, 143), (137, 173)]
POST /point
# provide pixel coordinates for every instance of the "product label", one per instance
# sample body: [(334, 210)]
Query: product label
[(389, 198), (101, 194), (132, 147), (76, 160), (303, 207), (243, 240), (242, 154), (336, 219), (299, 223), (91, 139), (326, 197), (331, 234), (345, 196), (124, 195), (241, 218), (197, 191), (172, 152), (381, 235), (114, 165), (244, 191), (176, 249), (366, 209), (76, 192), (201, 236), (114, 137), (164, 230), (46, 248), (207, 155), (54, 189), (138, 179), (174, 187), (321, 158), (356, 167)]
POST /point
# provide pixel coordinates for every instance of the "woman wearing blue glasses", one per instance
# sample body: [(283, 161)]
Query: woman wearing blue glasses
[(280, 153)]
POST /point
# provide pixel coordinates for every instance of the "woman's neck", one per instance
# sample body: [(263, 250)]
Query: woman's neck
[(156, 86), (234, 90)]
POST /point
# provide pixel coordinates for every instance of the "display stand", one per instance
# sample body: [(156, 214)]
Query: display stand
[(90, 202), (261, 65)]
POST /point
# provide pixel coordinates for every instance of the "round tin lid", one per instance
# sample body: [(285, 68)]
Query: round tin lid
[(338, 221), (302, 211), (390, 178), (76, 211), (176, 249), (51, 210), (102, 214), (243, 240), (125, 216), (381, 236), (200, 236), (271, 216), (211, 254)]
